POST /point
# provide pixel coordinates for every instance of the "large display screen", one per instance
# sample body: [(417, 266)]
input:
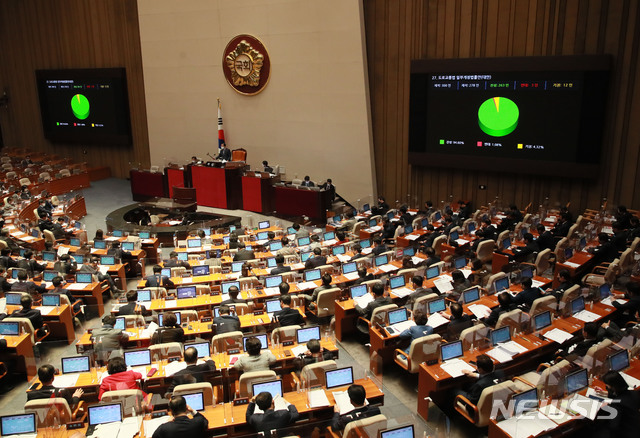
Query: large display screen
[(523, 115), (87, 106)]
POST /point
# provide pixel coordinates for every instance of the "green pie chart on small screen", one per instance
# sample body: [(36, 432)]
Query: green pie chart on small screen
[(498, 116), (80, 106)]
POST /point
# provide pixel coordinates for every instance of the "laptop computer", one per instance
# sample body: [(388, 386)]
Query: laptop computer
[(8, 328), (273, 387), (358, 291), (460, 262), (200, 270), (618, 361), (437, 305), (330, 235), (312, 275), (399, 432), (525, 401), (273, 281), (263, 341), (450, 350), (432, 272), (195, 400), (304, 241), (144, 234), (203, 348), (100, 244), (137, 358), (499, 336), (304, 335), (74, 241), (75, 364), (120, 323), (48, 256), (51, 300), (183, 256), (275, 246), (470, 295), (501, 284), (576, 381), (194, 243), (107, 260), (272, 306), (228, 284), (396, 319), (186, 292), (103, 414), (161, 318), (263, 225), (541, 320), (381, 260), (19, 424), (13, 298), (128, 246), (84, 278), (337, 250), (339, 377)]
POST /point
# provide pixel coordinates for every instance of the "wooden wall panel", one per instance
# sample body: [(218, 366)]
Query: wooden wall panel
[(58, 34), (397, 32)]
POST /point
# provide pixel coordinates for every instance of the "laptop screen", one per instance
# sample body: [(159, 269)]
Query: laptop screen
[(128, 246), (74, 241), (399, 432), (13, 298), (304, 335), (200, 270), (237, 266), (398, 315), (275, 246), (107, 260), (83, 278), (372, 223), (99, 244), (161, 318), (186, 292), (100, 414), (397, 281), (232, 310), (263, 235), (506, 243), (9, 328), (339, 249), (17, 424), (366, 207), (35, 233), (350, 267), (228, 284), (144, 234), (329, 235), (304, 241), (48, 256), (271, 262), (117, 233), (358, 291), (263, 341), (194, 243), (166, 272), (568, 253), (273, 306), (411, 251), (542, 320), (619, 361), (339, 377), (203, 348), (50, 300), (273, 387), (78, 258), (263, 225), (501, 284), (304, 256), (577, 305), (605, 291), (525, 401), (451, 350), (137, 358), (195, 400), (408, 229), (453, 236), (144, 295), (438, 305), (14, 273), (470, 295), (119, 323), (432, 272), (471, 226), (312, 275), (460, 262), (577, 381), (76, 364), (183, 256), (273, 281), (526, 273), (366, 243), (381, 260), (500, 335)]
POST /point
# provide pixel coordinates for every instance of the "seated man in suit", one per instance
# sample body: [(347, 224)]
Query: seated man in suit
[(195, 427), (579, 349), (118, 252), (57, 283), (417, 331), (528, 295), (270, 419), (313, 299), (93, 268), (300, 232), (316, 260), (32, 267), (234, 292), (432, 258), (627, 312), (378, 246), (226, 322), (564, 277), (357, 396), (11, 244), (288, 316), (194, 372), (130, 307), (545, 239), (485, 376), (32, 315), (243, 254), (505, 305), (605, 252), (458, 321), (307, 182), (225, 152), (418, 290), (159, 280), (363, 275), (46, 374), (315, 353), (357, 249), (287, 248), (525, 253), (562, 227), (169, 332), (173, 261), (280, 267), (379, 300), (23, 285), (6, 261)]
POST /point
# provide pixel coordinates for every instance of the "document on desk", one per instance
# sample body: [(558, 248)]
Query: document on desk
[(187, 280), (107, 429), (466, 272), (558, 416), (329, 242), (462, 241), (317, 398), (298, 350), (171, 368), (443, 284), (581, 405), (401, 326), (363, 300), (103, 269), (528, 424), (412, 236), (271, 291), (297, 266), (480, 310), (343, 258), (417, 260), (280, 404), (303, 285), (367, 251), (500, 354), (571, 264), (436, 320), (62, 250), (351, 276), (111, 238), (631, 381), (557, 335), (586, 316), (343, 402), (387, 268), (610, 300), (45, 310), (149, 331), (76, 286), (455, 367), (402, 291), (66, 380), (150, 426), (170, 303), (536, 283), (130, 427)]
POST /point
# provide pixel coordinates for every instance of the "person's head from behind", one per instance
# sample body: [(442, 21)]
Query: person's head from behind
[(173, 255), (528, 237), (254, 346), (116, 365), (378, 290), (484, 364), (430, 252), (313, 346), (177, 405), (504, 299), (317, 251), (157, 269), (541, 229), (233, 292), (633, 288), (421, 319), (191, 355), (132, 296), (564, 275), (456, 310), (284, 288), (341, 236), (603, 238), (170, 319), (377, 241), (285, 241), (279, 260), (326, 279), (264, 400), (22, 275), (57, 281), (357, 394), (224, 310), (527, 283), (307, 178), (476, 264), (46, 373), (265, 163), (590, 330), (285, 300), (271, 235), (109, 320), (26, 301), (616, 385), (457, 276), (362, 272), (417, 281)]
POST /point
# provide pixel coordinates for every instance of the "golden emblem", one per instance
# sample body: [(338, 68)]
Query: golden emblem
[(245, 64)]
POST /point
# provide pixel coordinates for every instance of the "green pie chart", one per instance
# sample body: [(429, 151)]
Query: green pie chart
[(80, 106), (498, 116)]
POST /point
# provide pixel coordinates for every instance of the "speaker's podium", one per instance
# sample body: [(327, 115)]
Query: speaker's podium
[(257, 192), (218, 187)]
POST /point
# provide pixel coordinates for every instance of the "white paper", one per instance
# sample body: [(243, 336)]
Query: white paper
[(586, 316), (129, 427), (436, 320), (363, 300), (581, 405), (76, 286), (343, 402), (271, 291), (500, 354), (530, 424), (298, 350), (536, 283), (402, 291), (610, 300), (558, 416), (571, 264), (170, 303), (416, 260), (466, 272), (150, 426), (66, 380), (402, 326), (317, 398), (343, 258), (412, 236), (187, 280), (108, 429), (462, 242), (387, 268), (62, 250), (455, 367), (631, 381), (3, 305), (351, 276), (367, 251), (279, 404), (103, 269), (479, 310), (304, 285), (45, 310), (557, 335), (171, 368), (149, 331), (443, 284)]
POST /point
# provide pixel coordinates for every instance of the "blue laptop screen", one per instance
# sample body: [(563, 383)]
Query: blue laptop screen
[(200, 270), (348, 268), (99, 244), (50, 300), (48, 256), (83, 278), (358, 291), (339, 377), (312, 275), (303, 241), (194, 243), (203, 348), (228, 284), (273, 281), (436, 306), (186, 292), (306, 334), (18, 424), (275, 246)]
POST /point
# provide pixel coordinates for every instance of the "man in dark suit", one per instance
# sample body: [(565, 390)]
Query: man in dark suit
[(27, 312), (505, 304), (234, 292), (524, 253), (182, 425), (243, 254), (173, 261), (457, 322), (270, 419), (288, 316), (579, 349), (418, 290), (363, 276), (130, 307), (605, 252), (46, 374), (307, 182), (194, 372), (267, 168), (545, 239), (489, 230), (118, 252), (11, 244), (562, 227), (528, 295), (564, 277), (627, 312), (6, 260), (378, 246), (5, 286), (22, 285), (485, 375), (328, 185), (280, 267), (317, 260), (379, 300), (159, 280), (382, 206), (30, 265), (312, 300), (225, 153), (357, 396), (42, 209), (226, 322)]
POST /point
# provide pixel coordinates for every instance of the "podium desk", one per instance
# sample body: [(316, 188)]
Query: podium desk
[(174, 177), (291, 201), (257, 192), (20, 348), (146, 185), (218, 187)]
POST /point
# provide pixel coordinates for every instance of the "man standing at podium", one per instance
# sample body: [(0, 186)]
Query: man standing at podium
[(225, 152)]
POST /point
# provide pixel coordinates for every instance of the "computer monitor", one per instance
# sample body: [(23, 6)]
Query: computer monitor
[(8, 328), (144, 235), (137, 358), (312, 275), (577, 305), (271, 262), (14, 274), (438, 216), (568, 253), (203, 348), (263, 235), (232, 310), (273, 281), (396, 282), (390, 215), (128, 246), (350, 267), (506, 243), (366, 207), (499, 336), (453, 236), (200, 270), (460, 262), (526, 272), (542, 320), (409, 251), (186, 292), (619, 361), (50, 300), (397, 316), (264, 344), (451, 350), (83, 277), (372, 223), (194, 243), (116, 233), (432, 272), (424, 222), (232, 228), (304, 241), (275, 246), (438, 305), (471, 227), (105, 413), (408, 229), (501, 284), (144, 295), (273, 306), (21, 251), (225, 240), (263, 225), (74, 241), (166, 272), (358, 291), (304, 256), (100, 244), (605, 290), (399, 432), (291, 230), (582, 243), (273, 387), (577, 381), (13, 298), (48, 256), (525, 401), (470, 295), (18, 424), (195, 400), (337, 250), (107, 260), (183, 256), (330, 235), (237, 266), (304, 335), (161, 318), (120, 323), (75, 364), (366, 243), (339, 377), (381, 260), (35, 233), (228, 284), (49, 275)]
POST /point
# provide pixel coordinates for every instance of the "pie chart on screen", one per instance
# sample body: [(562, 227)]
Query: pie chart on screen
[(498, 116), (80, 106)]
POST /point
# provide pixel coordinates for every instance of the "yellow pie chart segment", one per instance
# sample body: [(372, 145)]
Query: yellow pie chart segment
[(498, 116)]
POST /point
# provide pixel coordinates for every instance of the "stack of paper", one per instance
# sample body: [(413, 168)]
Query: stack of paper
[(62, 250), (455, 367), (103, 269), (581, 405), (536, 283), (586, 316), (343, 258), (416, 260), (170, 303), (402, 291), (363, 300), (280, 404), (557, 335), (174, 367), (443, 284), (297, 266), (479, 310), (402, 326), (529, 424), (108, 429), (76, 286), (129, 428), (317, 398), (436, 320), (150, 426), (462, 242), (631, 381), (329, 242), (500, 355), (66, 380), (149, 331), (387, 268), (299, 349), (610, 300), (412, 236), (45, 310), (304, 285), (351, 276)]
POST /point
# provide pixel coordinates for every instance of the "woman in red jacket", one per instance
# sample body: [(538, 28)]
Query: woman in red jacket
[(119, 378)]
